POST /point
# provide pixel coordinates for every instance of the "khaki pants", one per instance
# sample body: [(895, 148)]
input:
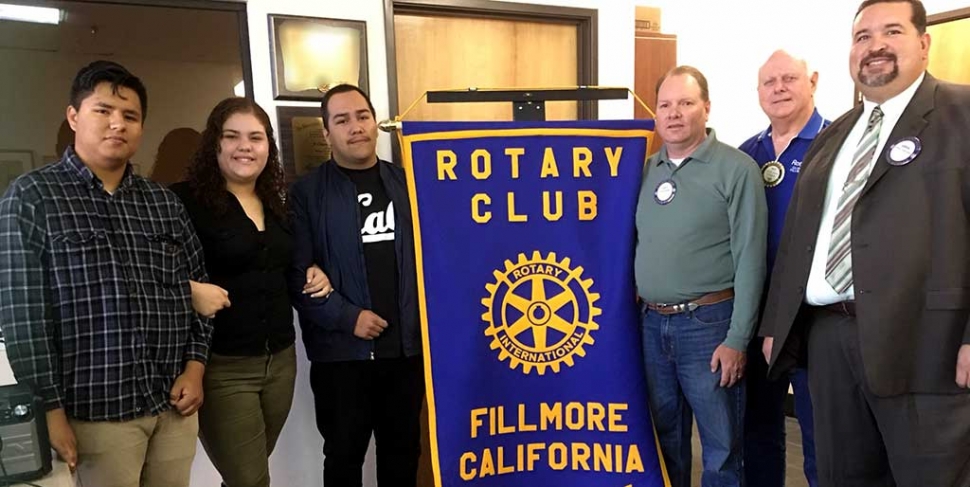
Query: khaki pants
[(151, 451), (247, 400)]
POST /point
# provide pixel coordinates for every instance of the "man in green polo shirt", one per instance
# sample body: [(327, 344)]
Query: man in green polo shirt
[(702, 227)]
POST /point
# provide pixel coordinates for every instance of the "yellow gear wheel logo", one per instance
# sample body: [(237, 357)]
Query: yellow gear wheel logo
[(540, 312)]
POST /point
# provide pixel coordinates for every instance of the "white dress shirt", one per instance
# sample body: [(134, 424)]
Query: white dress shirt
[(818, 292)]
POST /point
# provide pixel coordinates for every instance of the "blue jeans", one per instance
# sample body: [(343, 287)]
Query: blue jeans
[(764, 429), (677, 352)]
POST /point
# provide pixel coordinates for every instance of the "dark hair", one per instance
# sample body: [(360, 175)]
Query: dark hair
[(90, 76), (206, 180), (692, 72), (919, 12), (336, 90)]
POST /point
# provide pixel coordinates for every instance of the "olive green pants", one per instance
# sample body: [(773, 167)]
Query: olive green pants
[(247, 400)]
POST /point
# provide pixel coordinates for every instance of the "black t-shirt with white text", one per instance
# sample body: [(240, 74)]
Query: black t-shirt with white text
[(380, 257)]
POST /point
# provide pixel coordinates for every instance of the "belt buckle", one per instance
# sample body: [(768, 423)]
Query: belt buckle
[(684, 307)]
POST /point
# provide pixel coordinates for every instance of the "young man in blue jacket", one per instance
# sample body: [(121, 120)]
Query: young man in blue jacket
[(351, 216)]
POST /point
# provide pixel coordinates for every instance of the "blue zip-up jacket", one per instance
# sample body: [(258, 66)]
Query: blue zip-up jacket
[(326, 232)]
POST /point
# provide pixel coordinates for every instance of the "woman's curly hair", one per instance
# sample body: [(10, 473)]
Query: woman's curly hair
[(206, 180)]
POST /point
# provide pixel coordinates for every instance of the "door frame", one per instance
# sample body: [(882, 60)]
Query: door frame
[(586, 21), (944, 17)]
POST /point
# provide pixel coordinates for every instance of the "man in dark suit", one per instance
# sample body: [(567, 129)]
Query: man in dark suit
[(871, 285)]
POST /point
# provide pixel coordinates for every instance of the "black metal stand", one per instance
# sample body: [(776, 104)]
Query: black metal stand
[(528, 105)]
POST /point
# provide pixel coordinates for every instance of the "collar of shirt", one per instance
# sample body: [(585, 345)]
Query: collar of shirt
[(814, 125), (892, 109), (703, 152), (74, 162)]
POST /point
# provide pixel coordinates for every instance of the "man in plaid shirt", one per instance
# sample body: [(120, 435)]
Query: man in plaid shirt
[(95, 302)]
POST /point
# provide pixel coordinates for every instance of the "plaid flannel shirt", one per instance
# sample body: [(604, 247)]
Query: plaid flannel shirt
[(95, 302)]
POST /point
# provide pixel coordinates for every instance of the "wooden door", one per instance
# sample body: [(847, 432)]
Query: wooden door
[(655, 55), (444, 52)]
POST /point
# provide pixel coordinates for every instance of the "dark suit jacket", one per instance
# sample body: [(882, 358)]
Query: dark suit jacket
[(910, 249)]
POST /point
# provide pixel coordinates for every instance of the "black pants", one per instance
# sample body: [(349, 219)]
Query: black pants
[(354, 400), (863, 440)]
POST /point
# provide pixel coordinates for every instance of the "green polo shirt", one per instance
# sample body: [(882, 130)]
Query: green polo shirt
[(710, 236)]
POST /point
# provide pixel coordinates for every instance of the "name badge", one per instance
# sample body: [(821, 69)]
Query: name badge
[(773, 173), (665, 192), (903, 151)]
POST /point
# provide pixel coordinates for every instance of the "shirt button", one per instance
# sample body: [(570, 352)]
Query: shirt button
[(810, 248)]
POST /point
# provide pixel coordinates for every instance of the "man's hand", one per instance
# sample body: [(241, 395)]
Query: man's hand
[(62, 437), (766, 348), (186, 393), (731, 363), (963, 366), (207, 299), (369, 325), (317, 283)]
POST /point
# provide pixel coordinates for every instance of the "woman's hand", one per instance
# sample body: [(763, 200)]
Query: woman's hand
[(207, 299), (317, 283)]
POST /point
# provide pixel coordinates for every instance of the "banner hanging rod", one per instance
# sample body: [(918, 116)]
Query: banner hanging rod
[(527, 104)]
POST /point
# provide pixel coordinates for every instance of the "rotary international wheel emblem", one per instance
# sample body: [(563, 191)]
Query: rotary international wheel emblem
[(540, 312)]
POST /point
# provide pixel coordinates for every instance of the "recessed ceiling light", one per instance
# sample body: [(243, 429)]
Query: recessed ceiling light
[(24, 13)]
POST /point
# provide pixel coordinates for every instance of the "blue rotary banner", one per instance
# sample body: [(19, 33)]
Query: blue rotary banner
[(524, 239)]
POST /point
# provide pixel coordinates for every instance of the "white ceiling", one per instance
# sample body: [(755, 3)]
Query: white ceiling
[(108, 30)]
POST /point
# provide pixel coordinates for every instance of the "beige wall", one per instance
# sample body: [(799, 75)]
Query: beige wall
[(41, 82)]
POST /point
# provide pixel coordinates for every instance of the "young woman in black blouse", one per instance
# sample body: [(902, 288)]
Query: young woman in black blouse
[(235, 198)]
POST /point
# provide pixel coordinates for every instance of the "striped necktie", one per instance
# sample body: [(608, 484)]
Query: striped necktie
[(838, 267)]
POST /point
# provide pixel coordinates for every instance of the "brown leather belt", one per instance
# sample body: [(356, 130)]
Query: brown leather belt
[(846, 308), (707, 299)]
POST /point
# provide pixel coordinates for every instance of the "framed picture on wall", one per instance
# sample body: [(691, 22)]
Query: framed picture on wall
[(302, 144), (13, 163), (309, 54)]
